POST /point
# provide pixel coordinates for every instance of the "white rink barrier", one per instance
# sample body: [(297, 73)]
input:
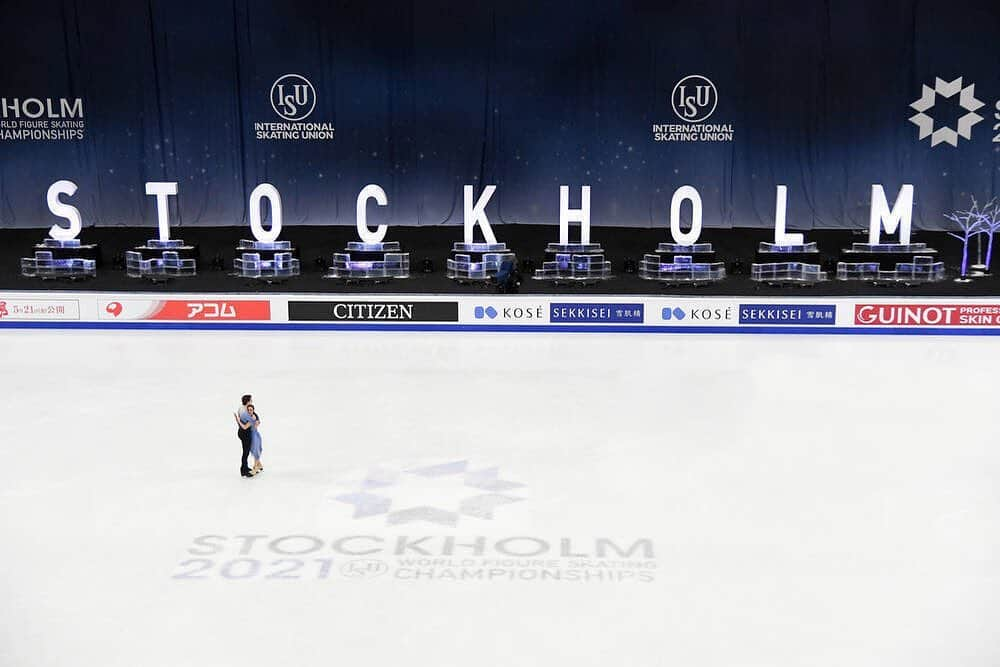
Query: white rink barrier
[(486, 312)]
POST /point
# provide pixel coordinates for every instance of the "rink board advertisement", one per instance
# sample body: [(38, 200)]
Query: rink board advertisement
[(602, 314)]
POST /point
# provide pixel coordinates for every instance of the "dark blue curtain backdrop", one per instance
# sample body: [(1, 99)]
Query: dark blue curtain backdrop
[(427, 96)]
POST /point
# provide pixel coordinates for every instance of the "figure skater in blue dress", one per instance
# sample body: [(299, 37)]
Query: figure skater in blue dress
[(256, 445)]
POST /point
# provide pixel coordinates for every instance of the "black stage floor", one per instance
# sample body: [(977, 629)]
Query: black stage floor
[(434, 243)]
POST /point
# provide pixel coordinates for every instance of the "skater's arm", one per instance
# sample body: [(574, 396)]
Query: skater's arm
[(240, 422)]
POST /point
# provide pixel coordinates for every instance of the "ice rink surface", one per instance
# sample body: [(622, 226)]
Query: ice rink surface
[(500, 499)]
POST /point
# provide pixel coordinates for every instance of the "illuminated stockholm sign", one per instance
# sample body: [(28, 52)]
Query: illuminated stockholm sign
[(897, 217)]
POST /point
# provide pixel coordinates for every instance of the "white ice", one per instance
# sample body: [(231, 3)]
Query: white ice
[(821, 501)]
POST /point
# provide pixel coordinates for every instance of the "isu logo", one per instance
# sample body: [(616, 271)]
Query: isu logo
[(3, 309), (946, 315), (293, 97), (694, 98)]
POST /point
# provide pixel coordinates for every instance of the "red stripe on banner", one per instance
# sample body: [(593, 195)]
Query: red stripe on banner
[(923, 314), (213, 310)]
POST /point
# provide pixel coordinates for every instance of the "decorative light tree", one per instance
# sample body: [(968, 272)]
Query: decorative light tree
[(989, 218), (971, 224)]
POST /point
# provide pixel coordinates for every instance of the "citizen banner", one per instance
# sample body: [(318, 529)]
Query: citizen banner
[(373, 311)]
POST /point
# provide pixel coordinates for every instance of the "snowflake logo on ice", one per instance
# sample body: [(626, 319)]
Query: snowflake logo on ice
[(438, 494), (944, 133)]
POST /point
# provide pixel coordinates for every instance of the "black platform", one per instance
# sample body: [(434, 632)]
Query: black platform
[(83, 251), (187, 251), (265, 255), (696, 257), (781, 257), (887, 261), (316, 245)]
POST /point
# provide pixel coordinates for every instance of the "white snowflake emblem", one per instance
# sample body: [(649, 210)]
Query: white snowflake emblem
[(946, 89), (440, 493)]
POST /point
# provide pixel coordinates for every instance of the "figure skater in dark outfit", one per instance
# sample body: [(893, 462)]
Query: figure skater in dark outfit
[(244, 421)]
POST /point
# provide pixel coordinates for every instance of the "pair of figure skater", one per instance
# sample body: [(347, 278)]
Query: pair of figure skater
[(248, 421)]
